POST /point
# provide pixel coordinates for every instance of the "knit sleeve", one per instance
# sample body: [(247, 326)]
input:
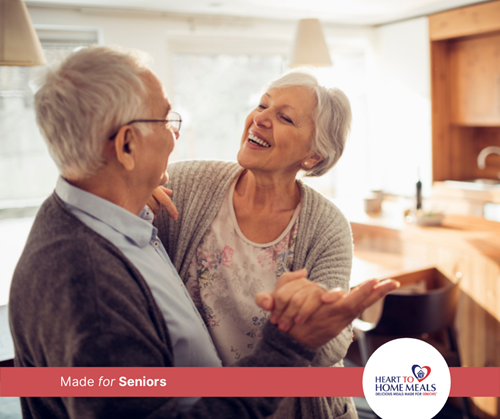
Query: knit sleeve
[(334, 351), (329, 261)]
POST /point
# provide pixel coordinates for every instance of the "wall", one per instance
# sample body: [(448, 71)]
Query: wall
[(399, 107)]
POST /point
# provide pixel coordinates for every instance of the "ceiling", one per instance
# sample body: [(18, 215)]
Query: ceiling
[(351, 12)]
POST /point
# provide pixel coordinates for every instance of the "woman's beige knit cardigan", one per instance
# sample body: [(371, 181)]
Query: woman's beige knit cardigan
[(323, 247)]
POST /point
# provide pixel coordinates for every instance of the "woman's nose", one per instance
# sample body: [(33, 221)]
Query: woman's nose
[(177, 134), (262, 119)]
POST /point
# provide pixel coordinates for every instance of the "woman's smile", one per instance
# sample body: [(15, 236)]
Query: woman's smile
[(256, 142)]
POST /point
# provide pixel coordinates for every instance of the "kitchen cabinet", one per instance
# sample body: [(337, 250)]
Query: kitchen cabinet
[(465, 90), (475, 80)]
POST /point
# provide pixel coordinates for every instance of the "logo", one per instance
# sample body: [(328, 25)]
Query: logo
[(419, 373), (395, 386)]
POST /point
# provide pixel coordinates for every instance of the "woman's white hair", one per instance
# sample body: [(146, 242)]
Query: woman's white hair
[(85, 100), (332, 118)]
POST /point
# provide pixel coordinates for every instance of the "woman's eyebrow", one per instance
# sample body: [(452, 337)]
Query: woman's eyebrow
[(282, 106), (288, 106)]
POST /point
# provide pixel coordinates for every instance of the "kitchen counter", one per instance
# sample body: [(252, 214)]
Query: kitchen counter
[(460, 232), (460, 198), (391, 217), (380, 265)]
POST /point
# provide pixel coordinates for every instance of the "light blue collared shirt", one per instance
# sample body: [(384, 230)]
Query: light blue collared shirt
[(137, 239)]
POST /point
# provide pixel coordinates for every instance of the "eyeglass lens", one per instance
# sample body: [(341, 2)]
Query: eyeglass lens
[(174, 120)]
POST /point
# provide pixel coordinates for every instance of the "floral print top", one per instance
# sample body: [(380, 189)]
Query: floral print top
[(226, 274)]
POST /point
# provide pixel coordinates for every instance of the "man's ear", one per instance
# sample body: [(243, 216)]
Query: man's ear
[(125, 144)]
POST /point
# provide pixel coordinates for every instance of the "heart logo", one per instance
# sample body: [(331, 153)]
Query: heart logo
[(419, 373)]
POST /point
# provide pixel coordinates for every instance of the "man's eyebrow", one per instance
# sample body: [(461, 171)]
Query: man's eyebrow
[(169, 108)]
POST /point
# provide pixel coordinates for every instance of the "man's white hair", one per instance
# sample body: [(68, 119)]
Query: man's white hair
[(332, 118), (85, 100)]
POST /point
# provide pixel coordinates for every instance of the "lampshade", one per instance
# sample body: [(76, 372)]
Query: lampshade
[(19, 44), (310, 48)]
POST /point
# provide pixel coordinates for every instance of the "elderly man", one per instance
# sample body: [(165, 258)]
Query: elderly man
[(94, 286)]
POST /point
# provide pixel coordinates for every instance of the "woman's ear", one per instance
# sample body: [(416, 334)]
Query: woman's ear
[(125, 144), (313, 160)]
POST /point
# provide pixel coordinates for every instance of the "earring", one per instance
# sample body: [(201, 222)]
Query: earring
[(306, 163)]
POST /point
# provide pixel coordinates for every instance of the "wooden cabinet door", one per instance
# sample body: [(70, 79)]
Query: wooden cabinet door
[(475, 80)]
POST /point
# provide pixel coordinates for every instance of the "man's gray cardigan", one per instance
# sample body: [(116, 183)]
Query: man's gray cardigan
[(77, 301), (324, 247)]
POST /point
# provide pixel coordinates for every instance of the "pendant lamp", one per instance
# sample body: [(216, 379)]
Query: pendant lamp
[(310, 48), (19, 43)]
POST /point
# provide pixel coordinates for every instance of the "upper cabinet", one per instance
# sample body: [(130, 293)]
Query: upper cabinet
[(472, 38), (475, 80), (473, 20), (465, 90)]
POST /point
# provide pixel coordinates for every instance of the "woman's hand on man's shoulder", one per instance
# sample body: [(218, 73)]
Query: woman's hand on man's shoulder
[(161, 199)]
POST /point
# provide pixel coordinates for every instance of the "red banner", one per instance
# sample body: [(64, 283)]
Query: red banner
[(224, 382), (475, 382)]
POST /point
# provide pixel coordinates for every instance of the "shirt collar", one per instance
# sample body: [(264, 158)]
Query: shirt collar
[(138, 229)]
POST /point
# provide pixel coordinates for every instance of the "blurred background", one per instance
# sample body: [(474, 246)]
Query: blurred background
[(419, 124)]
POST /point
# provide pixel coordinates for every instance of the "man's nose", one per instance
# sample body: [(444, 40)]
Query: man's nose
[(177, 135)]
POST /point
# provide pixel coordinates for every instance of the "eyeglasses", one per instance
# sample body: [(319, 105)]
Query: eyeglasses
[(173, 122)]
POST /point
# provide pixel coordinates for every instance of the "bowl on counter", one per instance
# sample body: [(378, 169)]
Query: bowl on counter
[(486, 181), (427, 219)]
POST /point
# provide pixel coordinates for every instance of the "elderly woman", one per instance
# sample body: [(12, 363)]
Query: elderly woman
[(240, 226)]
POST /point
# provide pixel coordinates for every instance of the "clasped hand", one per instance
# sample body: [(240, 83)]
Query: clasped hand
[(313, 315)]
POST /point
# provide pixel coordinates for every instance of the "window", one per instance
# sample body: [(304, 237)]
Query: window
[(214, 93), (27, 173)]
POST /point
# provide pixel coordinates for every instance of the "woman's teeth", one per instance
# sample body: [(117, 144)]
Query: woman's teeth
[(256, 140)]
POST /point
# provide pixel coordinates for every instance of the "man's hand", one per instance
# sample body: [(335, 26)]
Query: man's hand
[(339, 311), (161, 198), (294, 299)]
